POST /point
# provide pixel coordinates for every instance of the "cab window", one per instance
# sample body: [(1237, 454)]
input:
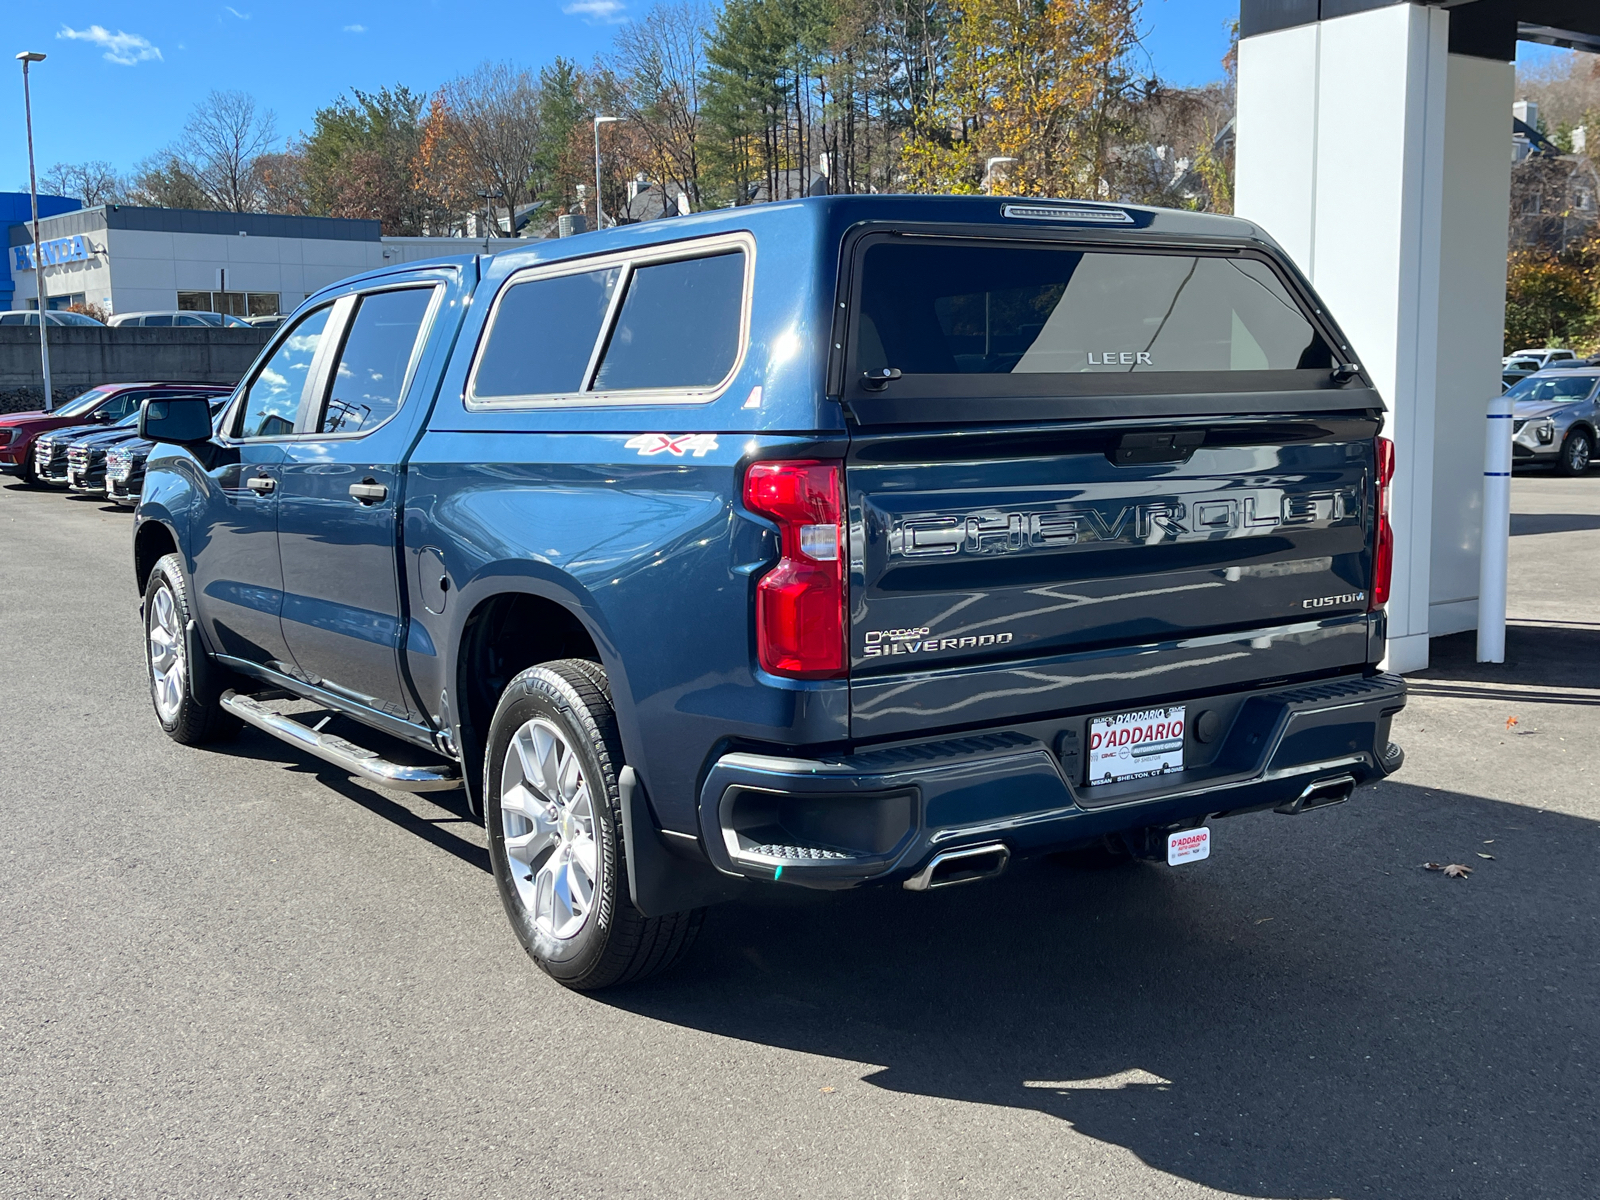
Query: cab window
[(375, 361)]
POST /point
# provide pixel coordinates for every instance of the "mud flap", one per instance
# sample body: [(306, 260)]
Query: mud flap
[(659, 881)]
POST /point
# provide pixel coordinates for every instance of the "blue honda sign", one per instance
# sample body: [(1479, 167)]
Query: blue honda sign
[(58, 250)]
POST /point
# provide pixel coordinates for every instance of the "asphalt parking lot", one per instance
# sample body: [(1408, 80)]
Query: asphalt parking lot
[(229, 972)]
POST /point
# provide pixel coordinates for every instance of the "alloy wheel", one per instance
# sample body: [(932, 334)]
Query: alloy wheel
[(547, 815), (168, 670)]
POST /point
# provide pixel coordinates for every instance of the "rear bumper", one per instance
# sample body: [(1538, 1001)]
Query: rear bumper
[(879, 814)]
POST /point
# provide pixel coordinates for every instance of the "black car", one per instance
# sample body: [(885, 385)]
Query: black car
[(122, 471), (50, 449), (86, 456)]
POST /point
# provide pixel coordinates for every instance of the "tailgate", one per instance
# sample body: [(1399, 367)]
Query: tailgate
[(1002, 574)]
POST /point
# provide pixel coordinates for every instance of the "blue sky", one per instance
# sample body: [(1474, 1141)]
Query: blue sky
[(121, 77)]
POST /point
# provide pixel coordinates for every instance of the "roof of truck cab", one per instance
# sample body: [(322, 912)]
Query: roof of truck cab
[(841, 212)]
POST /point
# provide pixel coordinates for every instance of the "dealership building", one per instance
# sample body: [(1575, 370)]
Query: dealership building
[(123, 258)]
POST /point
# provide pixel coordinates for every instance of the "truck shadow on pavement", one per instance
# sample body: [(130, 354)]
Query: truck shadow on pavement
[(1307, 1014)]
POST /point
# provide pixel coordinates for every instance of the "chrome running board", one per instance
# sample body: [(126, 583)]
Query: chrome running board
[(364, 764)]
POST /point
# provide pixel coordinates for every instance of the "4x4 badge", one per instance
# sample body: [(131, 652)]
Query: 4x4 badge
[(648, 444)]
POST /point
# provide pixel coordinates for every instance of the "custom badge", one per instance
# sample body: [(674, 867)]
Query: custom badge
[(650, 444)]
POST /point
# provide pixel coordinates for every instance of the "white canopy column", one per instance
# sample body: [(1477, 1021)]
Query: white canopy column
[(1374, 143)]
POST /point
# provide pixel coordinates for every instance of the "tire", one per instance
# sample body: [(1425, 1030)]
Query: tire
[(554, 820), (1576, 453), (186, 706)]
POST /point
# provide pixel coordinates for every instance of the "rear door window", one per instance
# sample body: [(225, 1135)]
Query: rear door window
[(272, 401), (375, 361), (952, 310)]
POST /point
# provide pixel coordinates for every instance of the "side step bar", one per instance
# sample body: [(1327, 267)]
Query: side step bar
[(364, 764)]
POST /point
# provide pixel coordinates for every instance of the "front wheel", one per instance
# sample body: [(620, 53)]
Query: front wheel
[(1576, 452), (184, 695), (554, 819)]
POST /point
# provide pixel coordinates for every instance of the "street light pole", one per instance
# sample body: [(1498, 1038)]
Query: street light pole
[(599, 217), (488, 216), (25, 58)]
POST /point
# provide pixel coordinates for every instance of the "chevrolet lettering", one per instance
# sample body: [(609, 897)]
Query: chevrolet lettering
[(989, 532), (828, 544)]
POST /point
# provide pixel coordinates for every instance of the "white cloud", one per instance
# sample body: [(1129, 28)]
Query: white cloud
[(355, 28), (123, 48), (594, 11)]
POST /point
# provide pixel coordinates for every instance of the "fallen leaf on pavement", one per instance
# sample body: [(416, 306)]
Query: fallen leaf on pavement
[(1481, 854), (1457, 871), (1510, 721), (830, 1089), (1489, 842), (1431, 866)]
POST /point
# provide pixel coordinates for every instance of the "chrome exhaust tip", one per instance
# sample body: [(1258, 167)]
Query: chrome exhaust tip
[(966, 865), (1321, 794)]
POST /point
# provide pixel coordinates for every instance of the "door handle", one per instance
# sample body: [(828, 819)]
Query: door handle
[(261, 484), (369, 492)]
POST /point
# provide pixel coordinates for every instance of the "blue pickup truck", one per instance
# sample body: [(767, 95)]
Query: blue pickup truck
[(855, 540)]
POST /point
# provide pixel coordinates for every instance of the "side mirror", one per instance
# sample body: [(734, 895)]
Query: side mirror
[(180, 421)]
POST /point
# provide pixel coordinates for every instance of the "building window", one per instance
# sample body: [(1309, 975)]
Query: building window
[(57, 303), (230, 304)]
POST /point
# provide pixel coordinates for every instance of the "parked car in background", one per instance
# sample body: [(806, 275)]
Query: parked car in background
[(56, 318), (103, 405), (1554, 419), (189, 319), (124, 464), (1544, 357), (860, 540), (50, 464), (1516, 370), (271, 322), (86, 455)]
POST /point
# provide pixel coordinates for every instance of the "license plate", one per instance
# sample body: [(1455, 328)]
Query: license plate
[(1136, 744)]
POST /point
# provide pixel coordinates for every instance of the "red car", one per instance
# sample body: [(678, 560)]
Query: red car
[(104, 405)]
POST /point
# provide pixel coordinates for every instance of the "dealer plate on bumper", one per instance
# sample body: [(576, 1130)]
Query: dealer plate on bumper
[(1134, 745)]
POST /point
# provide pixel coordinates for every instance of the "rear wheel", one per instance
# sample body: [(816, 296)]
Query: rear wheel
[(1576, 453), (554, 820)]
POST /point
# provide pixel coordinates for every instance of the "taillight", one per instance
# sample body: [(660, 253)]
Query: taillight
[(1383, 548), (800, 602)]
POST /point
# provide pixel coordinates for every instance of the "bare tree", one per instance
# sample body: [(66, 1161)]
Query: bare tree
[(163, 181), (95, 182), (281, 181), (225, 136), (494, 119), (656, 69)]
